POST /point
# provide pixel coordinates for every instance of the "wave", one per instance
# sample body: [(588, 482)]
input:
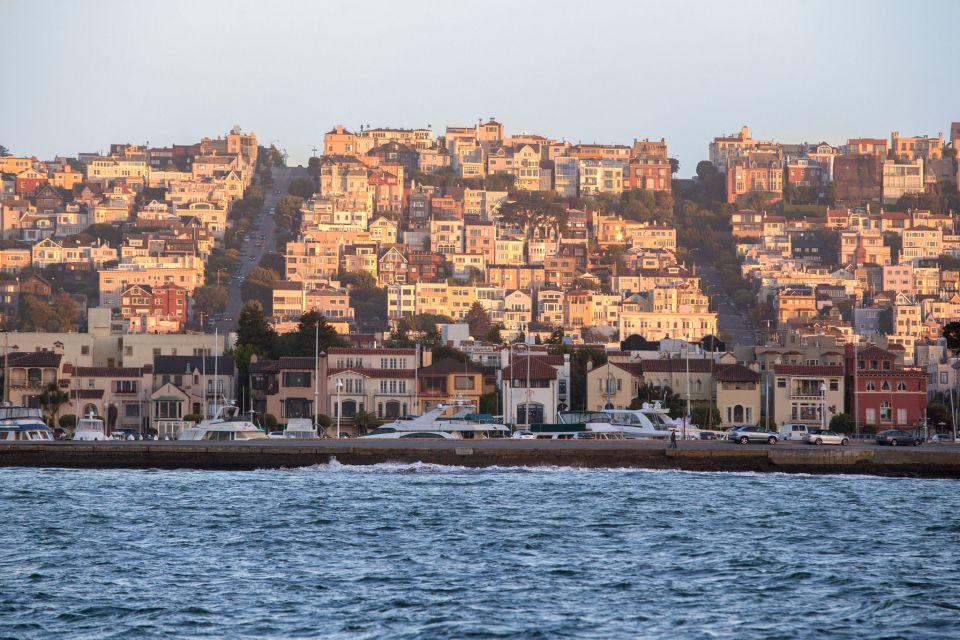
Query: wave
[(335, 466)]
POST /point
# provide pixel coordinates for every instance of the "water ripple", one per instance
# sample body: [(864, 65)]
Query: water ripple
[(420, 551)]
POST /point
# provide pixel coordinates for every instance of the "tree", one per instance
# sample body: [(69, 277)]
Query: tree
[(365, 421), (301, 187), (208, 300), (51, 399), (842, 423), (494, 335), (302, 342), (479, 320), (951, 334), (67, 421), (254, 330), (4, 151), (258, 285), (938, 412), (104, 232), (705, 416), (57, 316), (287, 214)]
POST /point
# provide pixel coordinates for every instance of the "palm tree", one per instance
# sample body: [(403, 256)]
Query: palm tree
[(51, 399)]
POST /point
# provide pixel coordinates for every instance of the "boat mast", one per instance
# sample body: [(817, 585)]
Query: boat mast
[(216, 379)]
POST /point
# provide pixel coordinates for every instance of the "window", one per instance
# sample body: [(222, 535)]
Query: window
[(131, 410), (901, 386), (871, 386), (886, 412), (125, 386), (886, 365), (834, 384), (885, 385), (85, 350), (296, 378), (463, 382), (781, 383)]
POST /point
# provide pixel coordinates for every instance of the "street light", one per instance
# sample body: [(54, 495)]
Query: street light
[(218, 274), (823, 406), (339, 405)]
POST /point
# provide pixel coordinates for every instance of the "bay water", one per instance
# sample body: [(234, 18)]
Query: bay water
[(422, 551)]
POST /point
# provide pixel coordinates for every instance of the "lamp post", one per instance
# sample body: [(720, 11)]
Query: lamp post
[(218, 274), (316, 379), (686, 416), (823, 405), (339, 405)]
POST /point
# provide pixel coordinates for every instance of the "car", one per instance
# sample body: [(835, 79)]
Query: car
[(825, 436), (942, 438), (896, 437), (708, 435), (252, 258), (276, 191), (59, 433), (524, 435), (246, 238), (748, 434), (793, 431)]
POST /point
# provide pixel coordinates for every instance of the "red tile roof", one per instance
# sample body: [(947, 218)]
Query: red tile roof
[(808, 370), (539, 370), (736, 373)]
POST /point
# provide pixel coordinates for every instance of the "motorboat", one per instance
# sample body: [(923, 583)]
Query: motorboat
[(300, 428), (651, 420), (463, 424), (22, 424), (227, 424), (89, 429)]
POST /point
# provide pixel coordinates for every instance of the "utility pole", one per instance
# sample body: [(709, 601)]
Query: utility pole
[(316, 379)]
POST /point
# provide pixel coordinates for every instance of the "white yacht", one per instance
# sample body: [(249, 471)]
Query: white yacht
[(22, 423), (461, 425), (227, 424), (649, 421), (89, 429), (300, 428)]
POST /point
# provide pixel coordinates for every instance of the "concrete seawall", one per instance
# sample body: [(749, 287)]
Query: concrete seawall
[(930, 461)]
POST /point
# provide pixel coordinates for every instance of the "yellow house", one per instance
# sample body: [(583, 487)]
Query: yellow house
[(13, 164), (13, 260), (67, 177), (113, 281), (383, 230)]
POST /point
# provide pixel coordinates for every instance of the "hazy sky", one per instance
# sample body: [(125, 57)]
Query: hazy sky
[(85, 74)]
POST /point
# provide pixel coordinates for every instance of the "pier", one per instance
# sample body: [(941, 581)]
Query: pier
[(927, 461)]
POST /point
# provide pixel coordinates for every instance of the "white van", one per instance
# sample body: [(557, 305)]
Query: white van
[(794, 431)]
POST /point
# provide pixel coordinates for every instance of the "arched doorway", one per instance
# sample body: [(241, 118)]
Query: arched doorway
[(738, 413), (349, 408), (529, 414), (88, 410), (391, 409)]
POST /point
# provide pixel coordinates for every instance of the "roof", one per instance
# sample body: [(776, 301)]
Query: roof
[(373, 373), (677, 365), (357, 351), (736, 373), (297, 362), (448, 365), (536, 368), (34, 359), (808, 370), (177, 365), (109, 372), (633, 368)]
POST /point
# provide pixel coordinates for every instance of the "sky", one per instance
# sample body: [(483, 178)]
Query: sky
[(84, 75)]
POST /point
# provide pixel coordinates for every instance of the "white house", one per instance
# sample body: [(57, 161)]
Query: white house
[(535, 388)]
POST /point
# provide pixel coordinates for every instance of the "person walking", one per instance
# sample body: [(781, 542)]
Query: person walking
[(673, 440)]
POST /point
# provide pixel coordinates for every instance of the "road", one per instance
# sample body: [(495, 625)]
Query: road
[(251, 254), (731, 321)]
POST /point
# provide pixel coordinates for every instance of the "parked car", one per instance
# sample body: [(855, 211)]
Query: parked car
[(942, 438), (793, 431), (708, 435), (825, 436), (524, 435), (748, 434), (896, 437), (59, 433)]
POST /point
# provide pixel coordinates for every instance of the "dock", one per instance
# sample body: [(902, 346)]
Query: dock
[(927, 461)]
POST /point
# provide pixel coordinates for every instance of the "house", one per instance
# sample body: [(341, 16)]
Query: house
[(446, 381), (30, 373), (803, 392), (120, 395), (737, 394), (881, 393), (190, 385), (531, 388)]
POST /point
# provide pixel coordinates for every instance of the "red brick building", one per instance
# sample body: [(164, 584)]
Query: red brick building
[(29, 180), (648, 173), (167, 303), (888, 396)]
